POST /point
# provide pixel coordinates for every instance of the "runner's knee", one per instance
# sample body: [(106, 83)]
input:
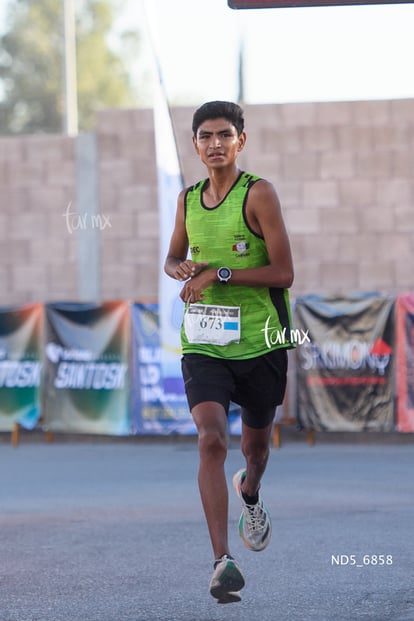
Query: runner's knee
[(212, 442)]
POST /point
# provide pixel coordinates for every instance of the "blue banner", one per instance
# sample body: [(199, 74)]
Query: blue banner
[(158, 401)]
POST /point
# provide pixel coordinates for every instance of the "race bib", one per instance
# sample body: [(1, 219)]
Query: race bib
[(212, 325)]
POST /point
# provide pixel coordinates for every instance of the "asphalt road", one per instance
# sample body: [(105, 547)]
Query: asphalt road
[(115, 532)]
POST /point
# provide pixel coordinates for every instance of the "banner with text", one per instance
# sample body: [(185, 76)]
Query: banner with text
[(345, 371), (20, 365), (158, 401), (405, 362), (86, 386)]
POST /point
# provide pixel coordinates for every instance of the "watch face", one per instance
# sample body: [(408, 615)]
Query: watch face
[(224, 273)]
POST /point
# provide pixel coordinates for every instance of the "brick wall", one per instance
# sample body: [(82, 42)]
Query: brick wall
[(128, 197), (38, 254), (343, 171), (344, 174)]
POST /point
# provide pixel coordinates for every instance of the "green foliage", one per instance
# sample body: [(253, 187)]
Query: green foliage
[(32, 66)]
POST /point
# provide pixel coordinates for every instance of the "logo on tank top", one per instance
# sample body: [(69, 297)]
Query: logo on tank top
[(240, 247)]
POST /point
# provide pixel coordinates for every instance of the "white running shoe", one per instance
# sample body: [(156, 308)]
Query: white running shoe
[(255, 525), (226, 581)]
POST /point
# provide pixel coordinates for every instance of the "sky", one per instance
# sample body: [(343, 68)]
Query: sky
[(292, 54)]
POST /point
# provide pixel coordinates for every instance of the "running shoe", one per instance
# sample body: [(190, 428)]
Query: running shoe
[(226, 581), (255, 525)]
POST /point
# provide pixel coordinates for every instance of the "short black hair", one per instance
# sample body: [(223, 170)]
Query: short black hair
[(217, 110)]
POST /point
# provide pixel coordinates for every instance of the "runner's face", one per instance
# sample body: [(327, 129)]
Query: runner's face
[(217, 143)]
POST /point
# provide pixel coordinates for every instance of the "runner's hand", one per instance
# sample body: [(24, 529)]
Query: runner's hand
[(189, 269), (193, 289)]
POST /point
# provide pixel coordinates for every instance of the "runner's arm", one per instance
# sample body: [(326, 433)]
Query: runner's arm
[(176, 264), (264, 216)]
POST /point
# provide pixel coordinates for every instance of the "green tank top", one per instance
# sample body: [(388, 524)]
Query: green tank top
[(222, 237)]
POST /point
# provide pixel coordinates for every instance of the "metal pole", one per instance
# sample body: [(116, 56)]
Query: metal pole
[(71, 98)]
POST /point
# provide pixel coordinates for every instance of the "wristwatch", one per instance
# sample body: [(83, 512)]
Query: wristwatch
[(224, 275)]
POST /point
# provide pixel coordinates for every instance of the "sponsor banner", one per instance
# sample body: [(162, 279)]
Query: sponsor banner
[(158, 401), (20, 365), (405, 362), (86, 384), (344, 369)]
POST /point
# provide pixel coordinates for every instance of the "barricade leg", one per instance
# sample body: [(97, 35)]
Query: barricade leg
[(49, 437), (15, 435)]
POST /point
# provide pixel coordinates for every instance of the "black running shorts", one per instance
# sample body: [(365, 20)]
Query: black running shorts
[(256, 384)]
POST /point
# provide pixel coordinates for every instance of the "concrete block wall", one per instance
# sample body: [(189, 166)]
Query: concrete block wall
[(38, 254), (128, 198), (345, 177), (343, 172)]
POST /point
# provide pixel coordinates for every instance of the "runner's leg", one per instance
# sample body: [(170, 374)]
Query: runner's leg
[(255, 445), (211, 421)]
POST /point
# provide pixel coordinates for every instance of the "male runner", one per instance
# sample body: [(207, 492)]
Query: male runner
[(237, 306)]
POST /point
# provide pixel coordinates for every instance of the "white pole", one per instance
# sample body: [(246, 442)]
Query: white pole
[(71, 97)]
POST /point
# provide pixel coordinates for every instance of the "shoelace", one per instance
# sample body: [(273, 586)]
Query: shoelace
[(255, 516)]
